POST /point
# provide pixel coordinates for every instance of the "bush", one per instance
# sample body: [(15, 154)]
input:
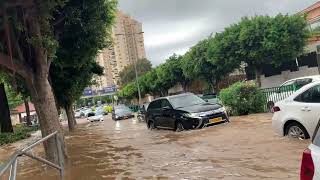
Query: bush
[(108, 109), (20, 132), (243, 98)]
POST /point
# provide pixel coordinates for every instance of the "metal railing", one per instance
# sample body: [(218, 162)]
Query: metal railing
[(275, 94), (13, 161)]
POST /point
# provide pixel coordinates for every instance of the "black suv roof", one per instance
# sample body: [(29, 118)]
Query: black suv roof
[(174, 96)]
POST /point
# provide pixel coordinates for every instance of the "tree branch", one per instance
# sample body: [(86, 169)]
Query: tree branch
[(41, 59), (19, 66), (15, 3)]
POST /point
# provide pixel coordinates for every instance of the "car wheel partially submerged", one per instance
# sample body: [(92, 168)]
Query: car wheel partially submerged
[(179, 127), (151, 125), (295, 130)]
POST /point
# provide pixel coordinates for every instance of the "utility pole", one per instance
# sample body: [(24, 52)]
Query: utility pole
[(135, 63), (135, 60)]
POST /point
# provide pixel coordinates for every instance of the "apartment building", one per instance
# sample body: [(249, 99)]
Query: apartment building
[(128, 47)]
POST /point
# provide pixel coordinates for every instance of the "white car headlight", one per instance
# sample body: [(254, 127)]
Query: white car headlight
[(220, 110), (192, 115)]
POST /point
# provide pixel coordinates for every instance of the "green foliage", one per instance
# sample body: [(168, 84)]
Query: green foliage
[(196, 61), (211, 59), (13, 95), (316, 30), (87, 30), (14, 98), (108, 109), (172, 72), (223, 52), (272, 40), (20, 132), (256, 41), (243, 98), (128, 75)]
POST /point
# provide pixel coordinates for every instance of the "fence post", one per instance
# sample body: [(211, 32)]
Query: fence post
[(60, 156), (13, 170)]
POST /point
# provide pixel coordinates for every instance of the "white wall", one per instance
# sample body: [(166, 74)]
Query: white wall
[(175, 89), (276, 80)]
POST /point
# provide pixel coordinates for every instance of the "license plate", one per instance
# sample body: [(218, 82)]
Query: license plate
[(215, 120)]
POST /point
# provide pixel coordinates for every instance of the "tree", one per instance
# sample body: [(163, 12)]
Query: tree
[(26, 105), (271, 40), (5, 120), (196, 63), (31, 36), (31, 47), (8, 100), (127, 75), (174, 71), (16, 94), (147, 82), (75, 65), (68, 90), (223, 52)]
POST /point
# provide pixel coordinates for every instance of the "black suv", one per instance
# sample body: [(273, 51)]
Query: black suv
[(184, 111)]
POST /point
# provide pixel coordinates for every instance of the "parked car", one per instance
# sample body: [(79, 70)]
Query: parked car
[(184, 111), (78, 113), (101, 108), (297, 116), (88, 112), (310, 163), (121, 112), (98, 116), (289, 87)]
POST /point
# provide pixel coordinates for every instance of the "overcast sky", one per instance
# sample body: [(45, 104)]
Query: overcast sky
[(173, 26)]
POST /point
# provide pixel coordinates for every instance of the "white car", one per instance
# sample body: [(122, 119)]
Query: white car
[(78, 114), (99, 116), (298, 115), (86, 112), (287, 88), (310, 164)]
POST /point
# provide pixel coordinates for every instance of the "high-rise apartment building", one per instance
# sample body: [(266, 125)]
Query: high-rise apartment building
[(128, 47)]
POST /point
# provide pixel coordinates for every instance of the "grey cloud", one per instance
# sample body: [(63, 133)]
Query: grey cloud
[(192, 20)]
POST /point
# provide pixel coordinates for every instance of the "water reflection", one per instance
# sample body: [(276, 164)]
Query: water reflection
[(244, 149), (134, 121), (118, 126)]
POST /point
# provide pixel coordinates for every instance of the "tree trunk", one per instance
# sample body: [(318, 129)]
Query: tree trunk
[(42, 94), (74, 117), (5, 120), (28, 118), (184, 86), (70, 116), (258, 75), (44, 102)]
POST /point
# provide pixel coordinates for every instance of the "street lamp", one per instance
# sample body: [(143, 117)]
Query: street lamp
[(135, 61)]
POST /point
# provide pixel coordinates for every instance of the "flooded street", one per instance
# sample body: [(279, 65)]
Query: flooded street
[(244, 149)]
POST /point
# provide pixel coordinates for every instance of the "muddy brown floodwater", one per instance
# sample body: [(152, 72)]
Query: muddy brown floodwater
[(244, 149)]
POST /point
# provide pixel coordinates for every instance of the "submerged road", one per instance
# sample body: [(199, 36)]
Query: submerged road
[(244, 149)]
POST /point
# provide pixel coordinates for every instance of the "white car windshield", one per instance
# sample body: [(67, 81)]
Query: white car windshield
[(122, 111), (99, 112)]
